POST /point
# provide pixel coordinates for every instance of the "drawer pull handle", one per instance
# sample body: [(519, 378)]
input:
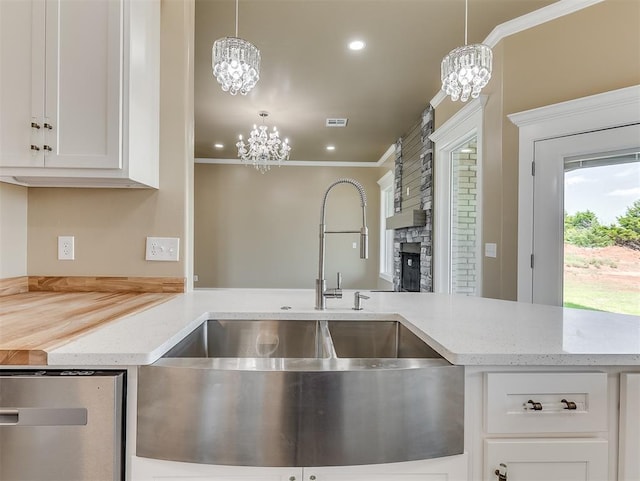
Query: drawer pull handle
[(35, 147), (563, 405), (501, 472), (48, 126), (534, 405), (35, 125)]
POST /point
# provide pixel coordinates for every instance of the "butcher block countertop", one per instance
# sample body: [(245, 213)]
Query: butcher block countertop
[(34, 323)]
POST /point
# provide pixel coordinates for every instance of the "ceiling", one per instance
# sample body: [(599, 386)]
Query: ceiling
[(308, 74)]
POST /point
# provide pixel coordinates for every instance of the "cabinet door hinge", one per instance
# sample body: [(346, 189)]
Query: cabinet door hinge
[(533, 168), (531, 261)]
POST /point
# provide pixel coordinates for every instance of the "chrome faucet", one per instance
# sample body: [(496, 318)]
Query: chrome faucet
[(322, 293)]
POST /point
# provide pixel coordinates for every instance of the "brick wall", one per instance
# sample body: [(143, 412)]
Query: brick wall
[(464, 222)]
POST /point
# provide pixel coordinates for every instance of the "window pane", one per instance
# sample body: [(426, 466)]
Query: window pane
[(602, 233), (464, 228)]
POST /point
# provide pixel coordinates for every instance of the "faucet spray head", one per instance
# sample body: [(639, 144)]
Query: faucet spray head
[(364, 243)]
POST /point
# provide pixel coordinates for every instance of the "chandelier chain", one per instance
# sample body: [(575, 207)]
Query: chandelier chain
[(466, 19)]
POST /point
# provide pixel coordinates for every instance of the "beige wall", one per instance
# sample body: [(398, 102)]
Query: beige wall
[(591, 51), (110, 225), (254, 230), (13, 231)]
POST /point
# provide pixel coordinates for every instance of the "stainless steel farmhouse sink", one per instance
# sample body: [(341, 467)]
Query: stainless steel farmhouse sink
[(300, 393), (252, 339), (377, 339)]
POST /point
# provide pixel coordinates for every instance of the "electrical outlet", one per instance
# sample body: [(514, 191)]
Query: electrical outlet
[(66, 251), (163, 249)]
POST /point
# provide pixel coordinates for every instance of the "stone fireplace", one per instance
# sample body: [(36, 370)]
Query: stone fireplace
[(410, 267), (414, 167)]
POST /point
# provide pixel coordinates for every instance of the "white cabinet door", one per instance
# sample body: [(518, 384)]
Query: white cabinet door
[(79, 92), (21, 60), (145, 469), (83, 83), (451, 468), (629, 457), (547, 459)]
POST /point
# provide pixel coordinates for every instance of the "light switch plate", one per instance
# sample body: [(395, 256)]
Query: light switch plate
[(163, 249), (490, 250)]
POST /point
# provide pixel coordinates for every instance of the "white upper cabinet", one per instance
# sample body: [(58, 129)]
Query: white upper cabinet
[(79, 92)]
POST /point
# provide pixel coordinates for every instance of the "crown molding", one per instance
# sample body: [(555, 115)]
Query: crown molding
[(305, 163), (535, 18), (291, 163)]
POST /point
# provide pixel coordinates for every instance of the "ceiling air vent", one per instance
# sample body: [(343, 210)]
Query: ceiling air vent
[(337, 122)]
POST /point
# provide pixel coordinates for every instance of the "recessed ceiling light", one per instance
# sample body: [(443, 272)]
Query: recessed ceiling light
[(357, 45), (331, 147), (218, 146)]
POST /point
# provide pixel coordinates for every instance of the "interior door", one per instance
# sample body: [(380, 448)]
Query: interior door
[(548, 212)]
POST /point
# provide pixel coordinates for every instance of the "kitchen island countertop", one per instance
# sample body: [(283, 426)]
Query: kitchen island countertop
[(464, 330)]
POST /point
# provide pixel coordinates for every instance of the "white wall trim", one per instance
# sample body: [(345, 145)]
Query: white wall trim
[(605, 110), (291, 163), (535, 18), (307, 163), (466, 123), (385, 182), (386, 179), (444, 132), (538, 17)]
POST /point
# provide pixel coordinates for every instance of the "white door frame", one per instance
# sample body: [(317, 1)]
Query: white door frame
[(466, 123), (606, 110)]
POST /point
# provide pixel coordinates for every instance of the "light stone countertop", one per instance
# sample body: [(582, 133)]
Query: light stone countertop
[(464, 330)]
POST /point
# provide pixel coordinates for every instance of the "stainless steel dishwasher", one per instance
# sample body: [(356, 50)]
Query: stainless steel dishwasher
[(61, 425)]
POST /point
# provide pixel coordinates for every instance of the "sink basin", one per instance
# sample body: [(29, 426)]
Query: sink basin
[(252, 339), (377, 339), (300, 393)]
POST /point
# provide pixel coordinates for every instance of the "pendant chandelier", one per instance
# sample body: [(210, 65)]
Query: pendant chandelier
[(263, 148), (235, 63), (466, 70)]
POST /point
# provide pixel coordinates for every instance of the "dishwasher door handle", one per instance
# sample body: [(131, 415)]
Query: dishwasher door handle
[(43, 416), (8, 417)]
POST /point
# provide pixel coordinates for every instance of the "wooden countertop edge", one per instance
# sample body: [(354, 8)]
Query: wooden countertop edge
[(23, 357), (69, 315), (113, 317)]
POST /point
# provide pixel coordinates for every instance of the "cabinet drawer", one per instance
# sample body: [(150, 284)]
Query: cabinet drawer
[(508, 408), (547, 459)]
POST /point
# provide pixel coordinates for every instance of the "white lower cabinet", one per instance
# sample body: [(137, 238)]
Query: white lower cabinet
[(145, 469), (452, 468), (550, 426), (546, 459)]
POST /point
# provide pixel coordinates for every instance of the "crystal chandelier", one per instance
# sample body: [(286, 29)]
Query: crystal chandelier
[(264, 147), (466, 70), (236, 63)]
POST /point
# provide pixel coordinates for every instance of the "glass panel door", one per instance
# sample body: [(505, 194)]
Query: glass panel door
[(584, 185), (602, 232)]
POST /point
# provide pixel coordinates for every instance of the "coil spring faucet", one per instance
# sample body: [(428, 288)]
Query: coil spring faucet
[(322, 293)]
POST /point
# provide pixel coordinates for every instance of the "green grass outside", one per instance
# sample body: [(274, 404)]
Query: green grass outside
[(600, 297)]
